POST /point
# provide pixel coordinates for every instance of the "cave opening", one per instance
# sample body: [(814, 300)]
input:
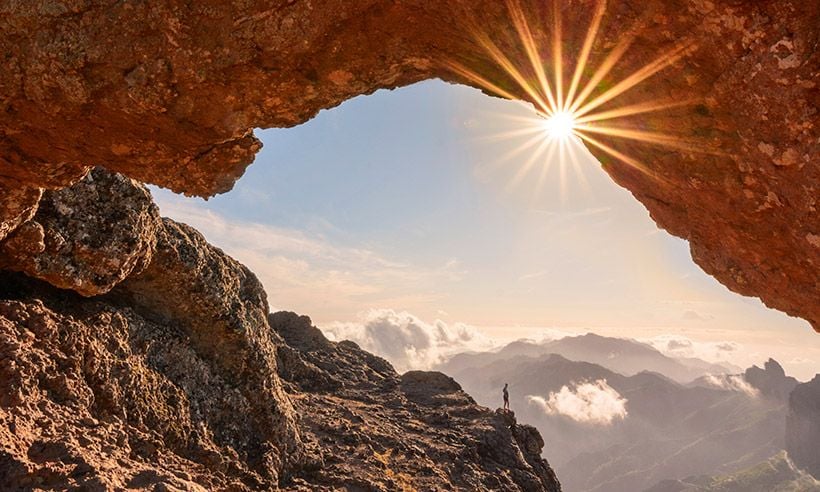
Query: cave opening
[(434, 201)]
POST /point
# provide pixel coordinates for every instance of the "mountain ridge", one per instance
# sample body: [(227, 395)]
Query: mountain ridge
[(672, 429), (623, 355)]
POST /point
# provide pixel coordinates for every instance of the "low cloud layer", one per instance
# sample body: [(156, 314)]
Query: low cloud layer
[(731, 382), (681, 346), (407, 341), (590, 403)]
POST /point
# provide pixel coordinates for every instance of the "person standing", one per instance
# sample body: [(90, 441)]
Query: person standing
[(506, 395)]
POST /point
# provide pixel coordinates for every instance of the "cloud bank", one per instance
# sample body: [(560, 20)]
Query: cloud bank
[(681, 346), (731, 382), (407, 341), (589, 402)]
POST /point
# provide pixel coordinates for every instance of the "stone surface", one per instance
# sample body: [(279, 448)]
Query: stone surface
[(221, 307), (168, 93), (94, 396), (803, 426), (179, 355), (17, 205), (376, 430), (87, 237)]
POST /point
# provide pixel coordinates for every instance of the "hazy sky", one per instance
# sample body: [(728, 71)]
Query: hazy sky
[(409, 201)]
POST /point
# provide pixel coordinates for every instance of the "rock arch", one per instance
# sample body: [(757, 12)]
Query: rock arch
[(168, 93)]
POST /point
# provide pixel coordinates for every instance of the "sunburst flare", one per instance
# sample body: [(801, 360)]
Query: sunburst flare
[(576, 110)]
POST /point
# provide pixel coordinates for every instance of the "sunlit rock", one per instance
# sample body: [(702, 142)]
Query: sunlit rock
[(145, 93)]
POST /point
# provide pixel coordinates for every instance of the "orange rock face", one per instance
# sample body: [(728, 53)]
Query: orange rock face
[(169, 94)]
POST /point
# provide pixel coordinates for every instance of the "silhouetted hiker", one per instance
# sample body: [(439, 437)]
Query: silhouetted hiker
[(506, 397)]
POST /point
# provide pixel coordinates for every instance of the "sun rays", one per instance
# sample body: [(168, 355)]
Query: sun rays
[(560, 125), (573, 104)]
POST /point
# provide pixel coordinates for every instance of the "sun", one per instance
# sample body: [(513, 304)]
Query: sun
[(560, 125), (575, 106)]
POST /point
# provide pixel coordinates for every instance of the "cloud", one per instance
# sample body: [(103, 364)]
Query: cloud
[(673, 345), (407, 341), (690, 315), (681, 346), (589, 403), (310, 273), (534, 275), (731, 382)]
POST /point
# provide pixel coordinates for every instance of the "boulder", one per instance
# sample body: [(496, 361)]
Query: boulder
[(87, 237)]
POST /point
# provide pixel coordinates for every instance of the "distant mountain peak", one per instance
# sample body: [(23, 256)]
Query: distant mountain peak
[(623, 355), (771, 380), (774, 367)]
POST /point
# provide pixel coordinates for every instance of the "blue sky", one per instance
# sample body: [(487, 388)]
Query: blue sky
[(408, 200)]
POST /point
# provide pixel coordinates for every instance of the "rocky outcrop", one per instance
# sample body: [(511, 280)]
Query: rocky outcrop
[(221, 307), (174, 380), (803, 426), (95, 396), (87, 237), (175, 369), (168, 94), (179, 351), (771, 381), (364, 426)]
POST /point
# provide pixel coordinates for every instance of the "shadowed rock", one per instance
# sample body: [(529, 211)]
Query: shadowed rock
[(771, 380), (179, 356), (803, 426), (221, 307), (95, 396)]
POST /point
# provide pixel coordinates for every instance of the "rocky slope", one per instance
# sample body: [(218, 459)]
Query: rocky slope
[(624, 356), (170, 92), (365, 426), (135, 355)]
